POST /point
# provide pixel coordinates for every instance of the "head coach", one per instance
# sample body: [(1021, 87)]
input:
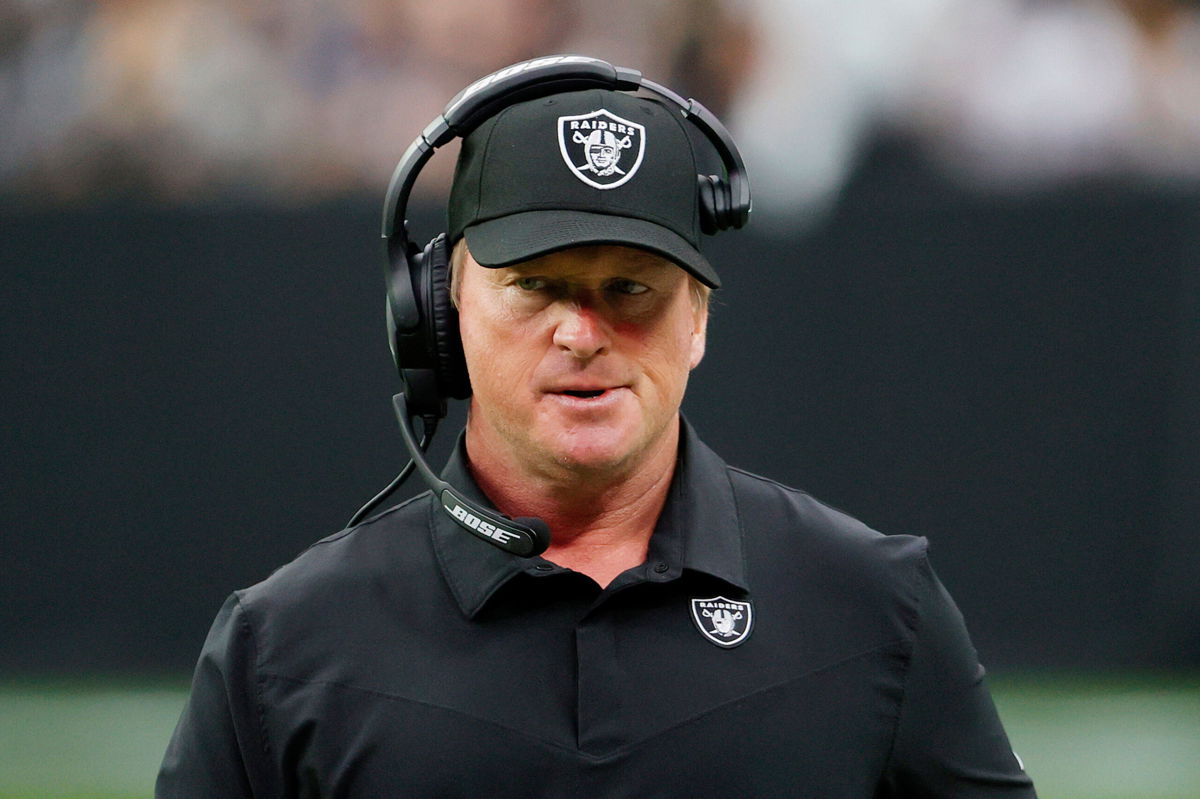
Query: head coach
[(588, 602)]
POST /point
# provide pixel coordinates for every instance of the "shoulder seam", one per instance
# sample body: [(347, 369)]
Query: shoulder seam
[(792, 490), (914, 631), (769, 481), (340, 534), (260, 701)]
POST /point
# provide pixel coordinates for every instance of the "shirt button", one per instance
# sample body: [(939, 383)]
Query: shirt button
[(661, 568), (544, 567)]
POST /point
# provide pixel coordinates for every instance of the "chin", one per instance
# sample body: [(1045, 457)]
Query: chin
[(591, 451), (596, 447)]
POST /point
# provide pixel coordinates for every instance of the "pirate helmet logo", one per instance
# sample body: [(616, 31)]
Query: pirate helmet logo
[(601, 149), (725, 622)]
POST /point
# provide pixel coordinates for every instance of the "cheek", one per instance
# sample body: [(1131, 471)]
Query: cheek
[(671, 357), (479, 349), (500, 357)]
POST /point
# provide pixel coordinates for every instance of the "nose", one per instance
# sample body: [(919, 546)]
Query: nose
[(581, 331)]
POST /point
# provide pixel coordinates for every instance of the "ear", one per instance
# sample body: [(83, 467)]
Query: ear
[(699, 334)]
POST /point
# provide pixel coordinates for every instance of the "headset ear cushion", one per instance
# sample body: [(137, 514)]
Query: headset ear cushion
[(707, 202), (443, 322)]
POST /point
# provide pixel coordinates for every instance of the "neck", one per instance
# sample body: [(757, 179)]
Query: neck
[(601, 522)]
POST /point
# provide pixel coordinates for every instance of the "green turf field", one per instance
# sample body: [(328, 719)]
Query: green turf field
[(1081, 737)]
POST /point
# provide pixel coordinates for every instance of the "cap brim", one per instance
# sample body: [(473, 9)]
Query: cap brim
[(530, 234)]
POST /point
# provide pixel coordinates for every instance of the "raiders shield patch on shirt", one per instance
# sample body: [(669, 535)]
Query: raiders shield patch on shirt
[(725, 622)]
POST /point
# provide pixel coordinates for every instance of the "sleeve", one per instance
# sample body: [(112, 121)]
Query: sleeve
[(219, 748), (949, 741)]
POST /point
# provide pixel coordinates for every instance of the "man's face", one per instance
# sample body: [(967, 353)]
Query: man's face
[(578, 359), (602, 155)]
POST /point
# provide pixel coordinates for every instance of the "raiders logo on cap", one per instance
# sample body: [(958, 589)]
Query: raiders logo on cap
[(725, 622), (602, 149)]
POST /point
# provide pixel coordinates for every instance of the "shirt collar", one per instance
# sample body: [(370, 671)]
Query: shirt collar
[(698, 530)]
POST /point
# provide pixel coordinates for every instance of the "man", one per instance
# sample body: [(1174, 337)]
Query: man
[(692, 630)]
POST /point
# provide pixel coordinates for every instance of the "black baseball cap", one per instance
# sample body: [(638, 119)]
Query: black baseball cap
[(584, 167)]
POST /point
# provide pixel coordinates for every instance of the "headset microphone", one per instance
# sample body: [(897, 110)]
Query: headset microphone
[(525, 536)]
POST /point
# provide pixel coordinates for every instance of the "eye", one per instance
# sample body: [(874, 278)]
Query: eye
[(626, 286), (530, 283)]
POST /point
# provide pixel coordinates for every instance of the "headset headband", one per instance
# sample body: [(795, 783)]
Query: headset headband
[(529, 80)]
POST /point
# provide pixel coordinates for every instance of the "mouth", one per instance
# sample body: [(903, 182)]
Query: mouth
[(587, 396)]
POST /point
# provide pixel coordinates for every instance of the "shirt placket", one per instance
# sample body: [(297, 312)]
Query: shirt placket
[(603, 685), (600, 710)]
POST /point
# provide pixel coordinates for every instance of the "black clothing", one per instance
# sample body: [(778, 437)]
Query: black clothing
[(407, 658)]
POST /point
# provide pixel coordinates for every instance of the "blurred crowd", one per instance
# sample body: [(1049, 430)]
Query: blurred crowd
[(194, 100), (1002, 95)]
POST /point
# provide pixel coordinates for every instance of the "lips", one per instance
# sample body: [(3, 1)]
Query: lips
[(585, 393)]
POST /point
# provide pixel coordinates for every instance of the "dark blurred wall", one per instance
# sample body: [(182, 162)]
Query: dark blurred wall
[(191, 397)]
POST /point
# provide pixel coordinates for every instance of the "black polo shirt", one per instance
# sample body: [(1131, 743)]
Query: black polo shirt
[(768, 647)]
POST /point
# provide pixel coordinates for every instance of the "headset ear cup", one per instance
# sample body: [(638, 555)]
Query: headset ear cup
[(442, 320), (716, 212), (403, 309)]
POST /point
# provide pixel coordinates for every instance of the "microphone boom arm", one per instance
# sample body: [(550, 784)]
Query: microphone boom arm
[(524, 536)]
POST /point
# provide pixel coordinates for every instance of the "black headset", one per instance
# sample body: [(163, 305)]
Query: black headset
[(422, 321)]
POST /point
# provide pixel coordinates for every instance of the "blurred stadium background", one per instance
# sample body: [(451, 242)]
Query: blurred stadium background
[(968, 307)]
